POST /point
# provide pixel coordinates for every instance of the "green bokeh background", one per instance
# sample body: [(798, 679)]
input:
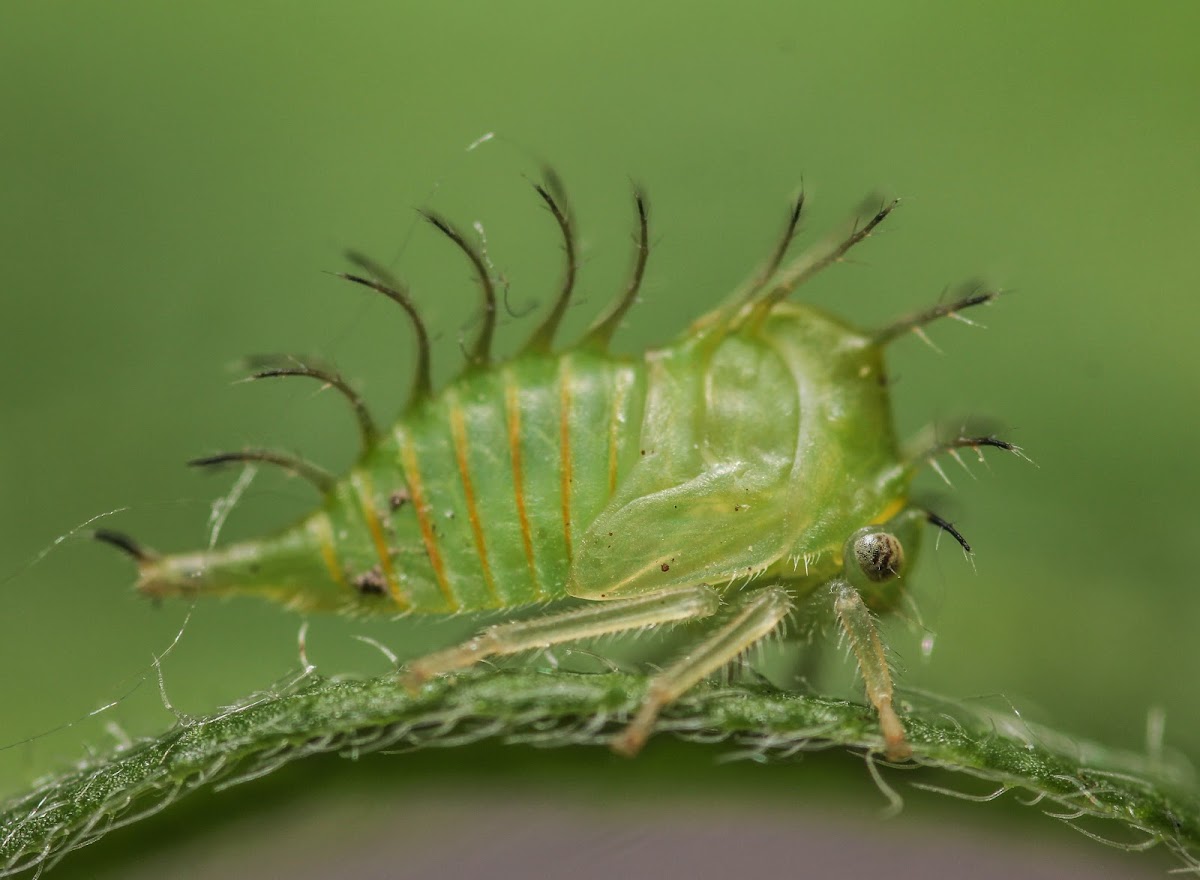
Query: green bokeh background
[(175, 181)]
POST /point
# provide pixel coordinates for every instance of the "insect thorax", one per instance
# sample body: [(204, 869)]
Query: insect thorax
[(764, 446)]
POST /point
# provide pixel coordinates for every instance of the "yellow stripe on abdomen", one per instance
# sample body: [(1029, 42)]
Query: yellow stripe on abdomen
[(366, 497), (458, 432), (416, 488)]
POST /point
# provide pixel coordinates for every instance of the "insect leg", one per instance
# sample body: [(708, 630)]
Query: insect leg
[(760, 613), (872, 663), (593, 619)]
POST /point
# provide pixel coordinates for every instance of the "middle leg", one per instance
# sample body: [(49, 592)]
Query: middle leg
[(760, 614)]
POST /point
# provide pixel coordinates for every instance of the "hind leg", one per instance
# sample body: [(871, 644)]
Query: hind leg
[(594, 619)]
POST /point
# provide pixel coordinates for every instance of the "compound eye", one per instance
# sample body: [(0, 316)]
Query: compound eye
[(878, 555)]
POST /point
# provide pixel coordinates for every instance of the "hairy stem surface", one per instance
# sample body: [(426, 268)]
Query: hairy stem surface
[(315, 715)]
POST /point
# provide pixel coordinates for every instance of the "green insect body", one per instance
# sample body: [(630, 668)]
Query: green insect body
[(746, 468)]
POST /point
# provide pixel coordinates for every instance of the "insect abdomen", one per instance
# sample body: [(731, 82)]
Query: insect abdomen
[(481, 494)]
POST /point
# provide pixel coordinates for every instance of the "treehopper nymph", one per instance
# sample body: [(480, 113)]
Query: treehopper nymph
[(746, 469)]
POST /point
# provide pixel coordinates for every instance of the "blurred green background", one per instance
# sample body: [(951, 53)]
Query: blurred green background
[(176, 180)]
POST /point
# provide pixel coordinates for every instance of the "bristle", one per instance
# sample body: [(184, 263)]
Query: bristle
[(948, 527), (600, 333), (480, 354), (976, 295), (928, 454), (125, 544), (383, 282), (542, 339), (291, 366), (811, 263), (756, 285), (318, 476)]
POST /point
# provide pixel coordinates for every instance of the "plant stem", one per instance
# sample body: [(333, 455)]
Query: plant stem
[(314, 715)]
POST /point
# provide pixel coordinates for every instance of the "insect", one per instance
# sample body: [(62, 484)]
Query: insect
[(745, 469)]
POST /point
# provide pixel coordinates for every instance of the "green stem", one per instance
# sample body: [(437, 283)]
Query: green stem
[(316, 715)]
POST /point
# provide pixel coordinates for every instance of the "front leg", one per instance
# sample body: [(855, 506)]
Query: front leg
[(860, 629)]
